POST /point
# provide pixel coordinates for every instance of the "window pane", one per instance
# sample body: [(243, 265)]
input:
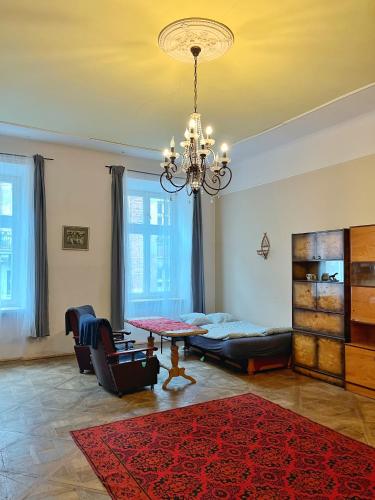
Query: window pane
[(135, 209), (5, 198), (160, 212), (160, 263), (136, 263), (5, 238), (5, 263), (5, 276)]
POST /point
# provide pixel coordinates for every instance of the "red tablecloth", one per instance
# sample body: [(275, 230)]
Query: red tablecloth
[(159, 325)]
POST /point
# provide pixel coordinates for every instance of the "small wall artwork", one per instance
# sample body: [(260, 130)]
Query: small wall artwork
[(75, 238), (265, 247)]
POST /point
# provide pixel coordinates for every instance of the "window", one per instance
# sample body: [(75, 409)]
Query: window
[(157, 250), (16, 234), (150, 244), (9, 281)]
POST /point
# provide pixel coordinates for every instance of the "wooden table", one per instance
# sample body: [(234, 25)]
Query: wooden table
[(171, 329)]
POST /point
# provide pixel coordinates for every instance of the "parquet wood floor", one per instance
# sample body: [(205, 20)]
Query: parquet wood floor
[(41, 401)]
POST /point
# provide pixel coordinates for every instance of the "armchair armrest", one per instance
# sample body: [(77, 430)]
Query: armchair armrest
[(120, 333), (148, 350)]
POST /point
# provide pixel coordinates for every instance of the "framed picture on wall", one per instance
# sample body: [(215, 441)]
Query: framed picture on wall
[(75, 238)]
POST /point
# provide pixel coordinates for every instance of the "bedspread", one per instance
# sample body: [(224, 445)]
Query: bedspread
[(240, 329)]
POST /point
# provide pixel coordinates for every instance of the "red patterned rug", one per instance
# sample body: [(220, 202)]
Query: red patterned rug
[(242, 447)]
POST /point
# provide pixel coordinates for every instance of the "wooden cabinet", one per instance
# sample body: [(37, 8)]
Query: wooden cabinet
[(363, 304), (360, 351), (304, 295), (331, 297), (304, 246), (362, 244), (304, 350), (360, 366), (331, 356), (324, 245), (320, 357), (319, 296), (319, 322), (330, 245), (319, 315)]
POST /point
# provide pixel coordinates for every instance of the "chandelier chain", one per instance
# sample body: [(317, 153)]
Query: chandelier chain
[(195, 83)]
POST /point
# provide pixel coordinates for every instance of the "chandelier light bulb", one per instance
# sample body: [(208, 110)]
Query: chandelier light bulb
[(208, 131), (186, 134), (192, 124), (172, 144), (224, 147), (165, 154)]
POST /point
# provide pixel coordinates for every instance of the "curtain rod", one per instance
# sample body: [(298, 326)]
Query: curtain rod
[(138, 171), (130, 170), (23, 156)]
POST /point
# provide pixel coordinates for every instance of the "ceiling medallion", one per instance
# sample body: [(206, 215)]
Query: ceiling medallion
[(213, 38), (198, 167)]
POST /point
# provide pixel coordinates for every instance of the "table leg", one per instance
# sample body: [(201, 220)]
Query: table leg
[(176, 371), (150, 344)]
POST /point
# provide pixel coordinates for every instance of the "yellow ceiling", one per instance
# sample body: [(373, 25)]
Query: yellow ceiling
[(93, 67)]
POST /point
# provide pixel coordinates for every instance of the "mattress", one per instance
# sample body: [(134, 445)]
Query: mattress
[(241, 349)]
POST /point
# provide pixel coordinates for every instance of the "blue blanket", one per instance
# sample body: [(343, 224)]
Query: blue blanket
[(89, 327), (80, 311)]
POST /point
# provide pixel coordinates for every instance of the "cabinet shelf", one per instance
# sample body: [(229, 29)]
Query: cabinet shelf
[(336, 259), (318, 309), (365, 323), (318, 334), (320, 281), (363, 345)]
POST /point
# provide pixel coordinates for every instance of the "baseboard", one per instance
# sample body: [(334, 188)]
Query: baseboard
[(34, 358), (49, 356)]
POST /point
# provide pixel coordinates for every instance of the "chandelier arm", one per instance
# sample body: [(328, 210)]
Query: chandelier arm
[(208, 187), (172, 167), (218, 178), (180, 186), (168, 176), (209, 191), (223, 172)]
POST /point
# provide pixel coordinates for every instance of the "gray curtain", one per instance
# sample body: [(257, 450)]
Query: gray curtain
[(197, 266), (117, 257), (41, 260)]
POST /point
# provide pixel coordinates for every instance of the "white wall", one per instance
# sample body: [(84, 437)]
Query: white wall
[(260, 290), (78, 190), (350, 139), (286, 181)]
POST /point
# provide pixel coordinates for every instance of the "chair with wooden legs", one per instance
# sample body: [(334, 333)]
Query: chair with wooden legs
[(121, 371), (82, 352)]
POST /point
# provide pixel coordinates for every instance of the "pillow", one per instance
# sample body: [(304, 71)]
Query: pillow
[(196, 319), (219, 317)]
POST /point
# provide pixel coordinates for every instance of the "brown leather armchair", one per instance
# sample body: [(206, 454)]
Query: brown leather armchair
[(122, 371), (82, 352)]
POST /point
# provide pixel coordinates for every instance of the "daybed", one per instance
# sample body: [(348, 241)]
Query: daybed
[(242, 344)]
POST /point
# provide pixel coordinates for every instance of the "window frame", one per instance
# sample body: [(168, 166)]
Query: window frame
[(8, 221), (146, 229)]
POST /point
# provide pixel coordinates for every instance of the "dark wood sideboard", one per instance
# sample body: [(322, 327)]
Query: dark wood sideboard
[(320, 319), (360, 351)]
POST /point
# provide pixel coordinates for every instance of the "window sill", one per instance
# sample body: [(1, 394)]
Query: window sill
[(12, 309), (158, 299)]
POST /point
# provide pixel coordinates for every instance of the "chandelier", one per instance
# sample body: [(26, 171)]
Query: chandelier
[(198, 166)]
